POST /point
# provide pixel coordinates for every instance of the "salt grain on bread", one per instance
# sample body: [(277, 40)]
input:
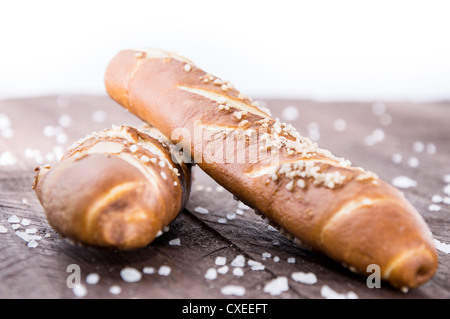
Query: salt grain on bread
[(328, 211)]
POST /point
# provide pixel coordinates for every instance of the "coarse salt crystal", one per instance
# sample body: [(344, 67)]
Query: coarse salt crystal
[(239, 211), (447, 178), (418, 147), (397, 158), (222, 220), (434, 208), (130, 274), (92, 278), (133, 148), (266, 255), (164, 271), (413, 162), (276, 286), (291, 260), (187, 67), (223, 270), (13, 219), (233, 290), (403, 182), (447, 189), (239, 261), (304, 278), (175, 242), (446, 200), (340, 125), (201, 210), (115, 290), (437, 199), (163, 175), (148, 270), (231, 216), (220, 261), (276, 259), (145, 158), (31, 230), (255, 265), (238, 272), (329, 293), (442, 246), (25, 222), (79, 290), (241, 205), (290, 113), (3, 229), (211, 274), (32, 243)]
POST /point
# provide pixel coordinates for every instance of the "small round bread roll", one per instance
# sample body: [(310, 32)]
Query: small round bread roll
[(117, 188)]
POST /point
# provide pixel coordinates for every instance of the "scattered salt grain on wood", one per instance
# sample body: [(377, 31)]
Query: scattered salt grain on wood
[(241, 205), (290, 113), (201, 210), (239, 261), (304, 278), (115, 290), (15, 226), (175, 242), (403, 182), (220, 261), (65, 120), (13, 219), (148, 270), (7, 158), (446, 200), (418, 147), (92, 279), (211, 274), (437, 199), (25, 222), (99, 116), (434, 208), (413, 162), (340, 125), (329, 293), (431, 148), (240, 211), (164, 271), (397, 158), (255, 265), (276, 286), (272, 229), (291, 260), (442, 246), (233, 290), (3, 229), (222, 220), (31, 230), (238, 272), (266, 255), (276, 259), (378, 108), (130, 274), (231, 216), (223, 270), (32, 243), (447, 189), (79, 290)]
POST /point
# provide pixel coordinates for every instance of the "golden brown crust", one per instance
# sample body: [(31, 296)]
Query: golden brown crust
[(117, 188), (319, 199)]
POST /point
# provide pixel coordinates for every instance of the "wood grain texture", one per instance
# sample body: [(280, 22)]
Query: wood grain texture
[(40, 272)]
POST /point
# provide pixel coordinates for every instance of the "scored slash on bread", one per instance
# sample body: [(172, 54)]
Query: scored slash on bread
[(319, 199), (117, 188)]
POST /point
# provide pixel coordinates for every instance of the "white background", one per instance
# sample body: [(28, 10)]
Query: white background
[(324, 50)]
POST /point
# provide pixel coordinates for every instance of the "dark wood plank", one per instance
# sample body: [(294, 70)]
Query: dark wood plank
[(40, 272)]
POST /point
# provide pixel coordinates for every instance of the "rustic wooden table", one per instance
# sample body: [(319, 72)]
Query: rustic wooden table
[(391, 139)]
